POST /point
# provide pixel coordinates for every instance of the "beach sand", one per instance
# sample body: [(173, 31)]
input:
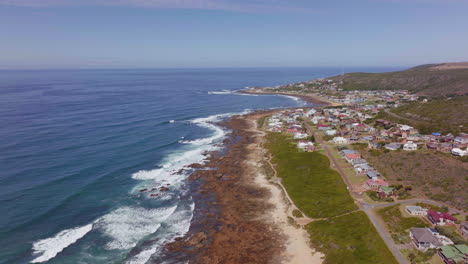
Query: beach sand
[(240, 216)]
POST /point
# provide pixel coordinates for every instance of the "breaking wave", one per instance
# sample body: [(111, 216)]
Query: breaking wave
[(49, 248)]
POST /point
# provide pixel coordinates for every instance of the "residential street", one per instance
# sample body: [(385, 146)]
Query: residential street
[(367, 208)]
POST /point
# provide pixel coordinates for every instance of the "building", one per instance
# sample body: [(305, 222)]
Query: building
[(464, 229), (410, 146), (454, 254), (392, 146), (416, 210), (458, 152), (385, 192), (439, 218), (330, 132), (374, 185), (339, 140), (424, 238)]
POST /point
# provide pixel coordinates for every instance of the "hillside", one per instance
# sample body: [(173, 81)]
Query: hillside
[(432, 80), (440, 115)]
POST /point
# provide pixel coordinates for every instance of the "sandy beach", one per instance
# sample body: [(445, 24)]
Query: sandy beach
[(241, 216)]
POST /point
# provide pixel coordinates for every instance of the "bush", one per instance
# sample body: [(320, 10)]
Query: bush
[(297, 213)]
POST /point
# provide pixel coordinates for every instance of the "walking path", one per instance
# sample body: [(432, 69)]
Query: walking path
[(362, 205)]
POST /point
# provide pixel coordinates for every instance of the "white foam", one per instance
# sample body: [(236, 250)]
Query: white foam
[(178, 225), (50, 247), (221, 92), (176, 161), (128, 225)]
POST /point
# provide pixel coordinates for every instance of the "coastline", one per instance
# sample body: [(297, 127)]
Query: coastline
[(240, 216), (309, 98)]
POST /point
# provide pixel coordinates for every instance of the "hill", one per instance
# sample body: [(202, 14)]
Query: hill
[(433, 80), (440, 115)]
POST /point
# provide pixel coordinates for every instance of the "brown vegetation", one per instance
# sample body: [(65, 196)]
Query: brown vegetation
[(431, 174)]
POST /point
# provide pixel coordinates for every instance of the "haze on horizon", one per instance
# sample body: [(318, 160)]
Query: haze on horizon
[(39, 34)]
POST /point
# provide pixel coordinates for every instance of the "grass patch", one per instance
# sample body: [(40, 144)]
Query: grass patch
[(416, 256), (314, 187), (261, 121), (399, 225), (349, 239), (451, 232), (297, 213)]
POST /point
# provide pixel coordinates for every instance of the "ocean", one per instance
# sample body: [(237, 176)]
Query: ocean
[(85, 153)]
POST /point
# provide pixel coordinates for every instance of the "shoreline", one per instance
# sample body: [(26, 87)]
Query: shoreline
[(240, 216), (309, 98)]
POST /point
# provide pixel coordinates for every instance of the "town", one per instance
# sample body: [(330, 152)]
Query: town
[(352, 125)]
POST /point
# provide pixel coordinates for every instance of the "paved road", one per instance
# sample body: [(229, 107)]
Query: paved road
[(367, 208)]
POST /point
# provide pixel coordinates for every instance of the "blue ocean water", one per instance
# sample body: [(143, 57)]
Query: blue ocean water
[(78, 146)]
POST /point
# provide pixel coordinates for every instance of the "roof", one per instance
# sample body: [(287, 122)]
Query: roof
[(423, 235), (414, 208), (438, 215), (372, 174), (380, 182), (353, 156), (454, 252), (348, 151), (386, 189)]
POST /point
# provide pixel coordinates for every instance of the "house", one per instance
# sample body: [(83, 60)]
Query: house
[(459, 152), (303, 144), (374, 185), (339, 140), (464, 229), (385, 192), (350, 157), (362, 168), (424, 238), (454, 254), (300, 135), (461, 139), (439, 218), (416, 210), (410, 146), (392, 146), (354, 138), (372, 174), (368, 138), (322, 127), (348, 151), (330, 132), (358, 161)]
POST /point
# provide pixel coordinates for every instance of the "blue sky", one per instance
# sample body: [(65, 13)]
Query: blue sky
[(230, 33)]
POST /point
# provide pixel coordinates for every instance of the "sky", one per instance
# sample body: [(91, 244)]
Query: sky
[(41, 34)]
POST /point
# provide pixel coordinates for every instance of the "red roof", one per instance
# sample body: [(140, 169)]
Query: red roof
[(379, 182), (437, 216), (320, 125), (353, 156)]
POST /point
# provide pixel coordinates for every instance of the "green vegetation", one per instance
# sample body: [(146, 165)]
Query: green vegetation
[(416, 256), (451, 232), (349, 239), (373, 195), (261, 121), (297, 213), (442, 115), (420, 79), (314, 187), (399, 225)]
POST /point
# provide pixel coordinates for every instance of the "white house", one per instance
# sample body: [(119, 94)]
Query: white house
[(330, 132), (304, 144), (410, 145), (416, 210), (311, 112), (339, 140), (300, 135), (458, 152)]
